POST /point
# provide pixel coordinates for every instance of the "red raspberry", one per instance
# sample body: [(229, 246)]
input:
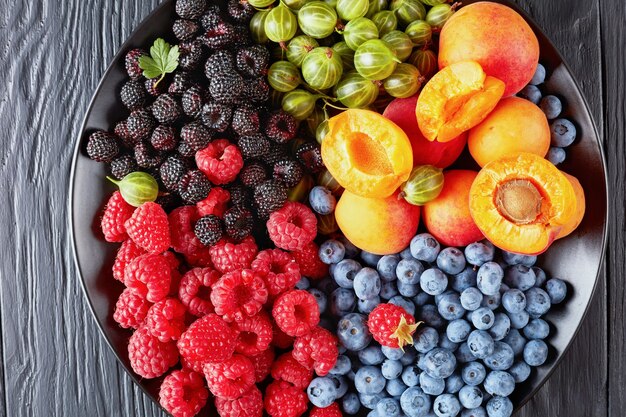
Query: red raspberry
[(174, 283), (262, 364), (330, 411), (281, 339), (131, 309), (195, 290), (230, 379), (239, 294), (184, 239), (149, 357), (296, 312), (228, 256), (309, 261), (126, 253), (249, 404), (317, 350), (148, 228), (208, 339), (149, 276), (172, 260), (166, 319), (183, 394), (255, 334), (220, 161), (279, 270), (196, 366), (391, 325), (116, 213), (284, 400), (292, 226), (286, 368), (216, 203), (200, 257)]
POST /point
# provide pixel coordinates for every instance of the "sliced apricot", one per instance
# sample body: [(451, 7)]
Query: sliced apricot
[(521, 203), (575, 221), (367, 154), (455, 100)]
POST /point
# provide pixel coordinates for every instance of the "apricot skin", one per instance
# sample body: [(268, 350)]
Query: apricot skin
[(448, 217), (378, 225), (401, 111), (495, 36), (515, 125), (575, 221)]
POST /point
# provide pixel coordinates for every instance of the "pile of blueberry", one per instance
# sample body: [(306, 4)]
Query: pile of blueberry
[(563, 131), (481, 334)]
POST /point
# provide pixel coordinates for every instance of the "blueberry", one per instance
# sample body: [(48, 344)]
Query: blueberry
[(475, 412), (540, 75), (518, 259), (342, 366), (562, 133), (499, 383), (450, 307), (556, 155), (367, 284), (470, 396), (446, 343), (430, 385), (415, 402), (332, 251), (322, 392), (350, 403), (391, 369), (386, 267), (501, 326), (409, 271), (535, 352), (388, 290), (489, 278), (446, 405), (406, 304), (424, 247), (501, 359), (473, 373), (537, 302), (531, 93), (464, 354), (320, 297), (451, 261), (322, 201), (454, 383), (353, 333), (499, 407), (408, 357), (520, 277), (514, 301), (492, 302), (410, 375), (471, 299), (480, 344), (370, 259), (389, 407), (395, 387), (406, 253), (483, 318), (540, 276), (458, 330), (370, 400), (537, 329), (422, 299), (433, 281), (344, 272), (351, 250), (366, 306), (408, 290), (557, 290), (439, 363), (520, 371), (551, 106), (392, 353), (369, 380), (464, 279), (326, 285), (516, 341), (303, 283), (431, 317), (371, 355), (373, 413), (425, 339), (519, 320), (342, 301), (341, 384)]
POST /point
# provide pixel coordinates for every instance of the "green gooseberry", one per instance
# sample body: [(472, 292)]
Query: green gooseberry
[(356, 92), (424, 184), (439, 15), (283, 76), (294, 4), (137, 188), (375, 60), (385, 21), (352, 9), (280, 24), (425, 61), (257, 27), (400, 43), (331, 3), (260, 4), (405, 81), (321, 131), (420, 32), (315, 119), (317, 19), (299, 103), (408, 10), (346, 53), (433, 2), (322, 68), (298, 47), (358, 31), (375, 7)]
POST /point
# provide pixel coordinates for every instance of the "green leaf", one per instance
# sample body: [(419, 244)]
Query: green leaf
[(163, 60), (150, 68), (172, 59)]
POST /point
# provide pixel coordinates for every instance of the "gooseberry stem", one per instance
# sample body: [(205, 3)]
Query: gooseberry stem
[(114, 181)]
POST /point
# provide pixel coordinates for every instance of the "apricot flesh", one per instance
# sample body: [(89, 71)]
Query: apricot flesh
[(575, 221), (366, 153), (455, 100)]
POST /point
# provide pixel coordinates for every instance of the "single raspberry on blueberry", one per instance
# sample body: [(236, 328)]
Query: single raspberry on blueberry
[(250, 404), (163, 138), (253, 61), (126, 253), (102, 146), (230, 379), (133, 95), (288, 171), (226, 87), (196, 135), (149, 276), (220, 161), (281, 127), (166, 319), (184, 29), (239, 294), (194, 186), (195, 290), (215, 203), (166, 109), (262, 364), (255, 334), (284, 400), (296, 312), (131, 309), (182, 393), (124, 136), (122, 166), (238, 223), (287, 369), (245, 120), (255, 145), (309, 154), (209, 230), (182, 81), (209, 339), (172, 171), (240, 10), (190, 9), (228, 256), (269, 197), (281, 339), (292, 227), (140, 124), (311, 266), (116, 212), (278, 269), (131, 62), (317, 350), (148, 228), (257, 90), (146, 156), (253, 174), (216, 116), (149, 357), (193, 101), (392, 326), (191, 55), (332, 410)]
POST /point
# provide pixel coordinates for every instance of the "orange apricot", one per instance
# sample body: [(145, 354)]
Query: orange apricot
[(515, 125), (575, 221), (366, 153), (521, 203), (378, 225), (455, 100)]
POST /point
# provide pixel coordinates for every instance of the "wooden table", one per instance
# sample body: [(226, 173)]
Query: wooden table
[(54, 361)]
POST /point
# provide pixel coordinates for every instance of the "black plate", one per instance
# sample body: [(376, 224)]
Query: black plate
[(576, 259)]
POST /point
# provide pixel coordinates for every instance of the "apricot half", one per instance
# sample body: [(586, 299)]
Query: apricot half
[(367, 154), (521, 203), (575, 221), (455, 100)]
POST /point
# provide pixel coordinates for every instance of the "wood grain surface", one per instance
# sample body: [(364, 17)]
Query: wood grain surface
[(54, 362)]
